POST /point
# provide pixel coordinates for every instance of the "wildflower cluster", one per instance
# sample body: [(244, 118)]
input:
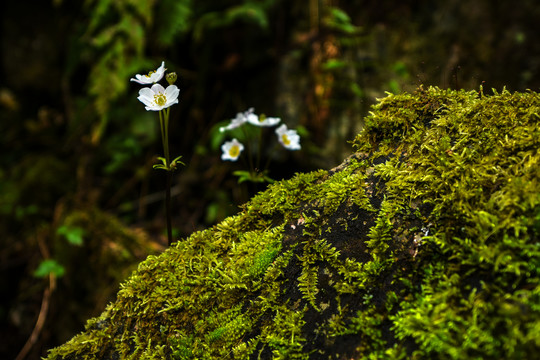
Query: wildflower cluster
[(231, 150), (158, 98)]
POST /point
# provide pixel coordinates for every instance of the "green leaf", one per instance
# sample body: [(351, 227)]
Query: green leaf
[(73, 234), (340, 15), (242, 176), (176, 161), (49, 266), (171, 167), (357, 90), (340, 21), (333, 64), (259, 177)]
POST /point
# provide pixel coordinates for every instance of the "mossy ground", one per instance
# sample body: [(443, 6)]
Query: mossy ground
[(423, 244)]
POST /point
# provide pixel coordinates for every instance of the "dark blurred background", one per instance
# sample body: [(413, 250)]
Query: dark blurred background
[(80, 204)]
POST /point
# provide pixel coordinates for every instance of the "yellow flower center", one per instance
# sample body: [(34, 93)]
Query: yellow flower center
[(234, 151), (160, 99), (150, 73), (285, 139)]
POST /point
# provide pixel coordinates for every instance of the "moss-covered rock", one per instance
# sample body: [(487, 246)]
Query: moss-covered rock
[(424, 243)]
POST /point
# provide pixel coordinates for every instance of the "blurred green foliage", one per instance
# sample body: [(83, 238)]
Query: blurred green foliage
[(49, 266), (73, 234)]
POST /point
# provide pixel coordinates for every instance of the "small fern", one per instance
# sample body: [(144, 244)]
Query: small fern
[(380, 234), (307, 283)]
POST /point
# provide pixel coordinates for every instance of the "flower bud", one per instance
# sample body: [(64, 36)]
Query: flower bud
[(171, 78)]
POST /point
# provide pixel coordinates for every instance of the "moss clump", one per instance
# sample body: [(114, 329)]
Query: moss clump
[(425, 243)]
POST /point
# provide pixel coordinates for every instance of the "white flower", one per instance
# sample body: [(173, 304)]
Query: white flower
[(263, 121), (231, 150), (158, 98), (152, 77), (239, 120), (288, 138)]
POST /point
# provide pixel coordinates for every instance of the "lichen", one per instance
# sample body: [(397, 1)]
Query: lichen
[(423, 244)]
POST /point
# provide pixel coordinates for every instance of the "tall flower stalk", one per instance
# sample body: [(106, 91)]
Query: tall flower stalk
[(158, 98)]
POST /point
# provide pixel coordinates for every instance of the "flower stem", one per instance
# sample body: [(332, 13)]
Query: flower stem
[(249, 150), (260, 150), (164, 123), (161, 125), (168, 207), (269, 158)]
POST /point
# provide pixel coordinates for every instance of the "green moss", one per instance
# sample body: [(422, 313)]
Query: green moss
[(423, 244)]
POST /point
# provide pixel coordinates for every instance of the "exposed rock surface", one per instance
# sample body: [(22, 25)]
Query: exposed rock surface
[(423, 244)]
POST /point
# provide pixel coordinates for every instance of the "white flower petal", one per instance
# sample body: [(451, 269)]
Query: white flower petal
[(138, 79), (141, 80), (288, 138), (158, 75), (231, 150), (238, 121), (158, 98), (252, 119), (158, 89), (282, 129), (271, 121), (146, 96), (172, 92), (160, 71), (152, 77), (146, 92), (170, 103), (145, 101), (266, 122)]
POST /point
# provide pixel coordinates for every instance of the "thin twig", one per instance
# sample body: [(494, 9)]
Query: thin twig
[(40, 320), (42, 317)]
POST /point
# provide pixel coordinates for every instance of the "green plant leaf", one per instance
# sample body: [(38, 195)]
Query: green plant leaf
[(258, 177), (49, 266), (333, 64), (73, 234)]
